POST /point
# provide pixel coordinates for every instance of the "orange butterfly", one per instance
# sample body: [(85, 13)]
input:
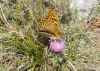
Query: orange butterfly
[(49, 26)]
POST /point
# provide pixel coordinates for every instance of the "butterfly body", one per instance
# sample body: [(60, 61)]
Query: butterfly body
[(49, 26)]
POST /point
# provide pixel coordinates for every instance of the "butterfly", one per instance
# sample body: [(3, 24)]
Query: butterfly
[(49, 26)]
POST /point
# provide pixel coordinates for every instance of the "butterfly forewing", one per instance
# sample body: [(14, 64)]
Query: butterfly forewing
[(50, 24)]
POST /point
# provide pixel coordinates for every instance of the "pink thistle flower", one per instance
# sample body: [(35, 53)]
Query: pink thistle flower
[(57, 45)]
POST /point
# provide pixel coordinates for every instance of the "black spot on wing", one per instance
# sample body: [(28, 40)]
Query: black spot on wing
[(54, 19)]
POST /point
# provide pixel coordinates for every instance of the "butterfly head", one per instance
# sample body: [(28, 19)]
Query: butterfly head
[(57, 36)]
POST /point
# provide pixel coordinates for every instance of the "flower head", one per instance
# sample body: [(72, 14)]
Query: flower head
[(57, 45)]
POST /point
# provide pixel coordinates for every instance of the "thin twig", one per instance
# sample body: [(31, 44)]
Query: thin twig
[(4, 17), (71, 65)]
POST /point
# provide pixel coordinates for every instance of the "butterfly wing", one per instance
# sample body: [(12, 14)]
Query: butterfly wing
[(50, 25)]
